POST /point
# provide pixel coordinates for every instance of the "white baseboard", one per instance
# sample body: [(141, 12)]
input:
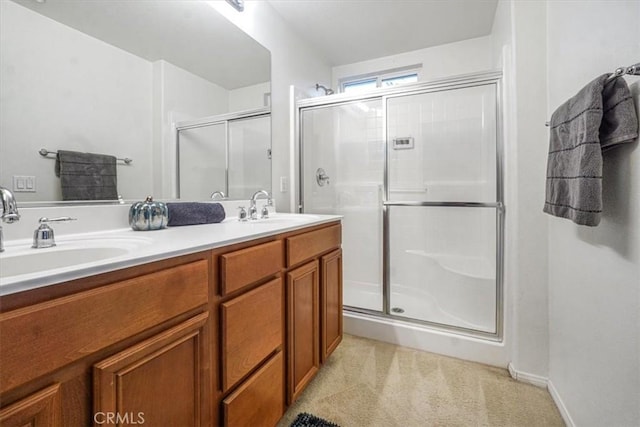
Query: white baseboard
[(560, 404), (543, 382), (526, 377)]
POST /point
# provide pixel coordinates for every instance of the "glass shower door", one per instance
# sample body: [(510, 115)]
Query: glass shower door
[(249, 156), (202, 161), (342, 173), (442, 207)]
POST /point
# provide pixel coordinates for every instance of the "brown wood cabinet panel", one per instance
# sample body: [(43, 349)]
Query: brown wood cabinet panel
[(307, 245), (246, 266), (259, 401), (303, 316), (41, 409), (55, 333), (160, 381), (251, 330), (331, 302)]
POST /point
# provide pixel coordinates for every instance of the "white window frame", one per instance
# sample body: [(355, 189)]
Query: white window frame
[(380, 76)]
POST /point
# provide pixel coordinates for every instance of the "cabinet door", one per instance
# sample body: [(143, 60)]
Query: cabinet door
[(303, 318), (161, 381), (41, 409), (331, 302)]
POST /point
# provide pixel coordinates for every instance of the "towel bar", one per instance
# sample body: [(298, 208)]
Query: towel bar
[(44, 153), (632, 70)]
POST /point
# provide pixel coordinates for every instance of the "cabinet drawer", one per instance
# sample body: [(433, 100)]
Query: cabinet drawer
[(259, 401), (58, 332), (246, 266), (308, 245), (251, 330)]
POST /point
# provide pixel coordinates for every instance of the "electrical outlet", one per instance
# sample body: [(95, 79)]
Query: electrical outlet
[(284, 184), (24, 183)]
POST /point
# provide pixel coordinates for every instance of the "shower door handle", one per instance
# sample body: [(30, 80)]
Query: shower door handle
[(321, 177)]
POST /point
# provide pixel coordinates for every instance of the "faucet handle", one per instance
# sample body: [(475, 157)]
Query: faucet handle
[(44, 220), (242, 215), (43, 237)]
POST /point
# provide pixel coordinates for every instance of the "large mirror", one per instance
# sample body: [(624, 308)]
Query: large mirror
[(115, 77)]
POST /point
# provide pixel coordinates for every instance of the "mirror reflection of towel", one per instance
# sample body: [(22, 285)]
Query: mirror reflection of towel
[(86, 176)]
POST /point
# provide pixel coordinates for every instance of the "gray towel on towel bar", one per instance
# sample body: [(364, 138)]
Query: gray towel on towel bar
[(86, 176), (192, 213), (599, 117)]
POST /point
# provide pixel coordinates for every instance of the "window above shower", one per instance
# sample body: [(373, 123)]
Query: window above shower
[(389, 78)]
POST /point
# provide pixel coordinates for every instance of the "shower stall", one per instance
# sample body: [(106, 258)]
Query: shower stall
[(416, 173)]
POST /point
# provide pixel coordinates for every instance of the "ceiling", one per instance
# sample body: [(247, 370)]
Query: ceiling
[(348, 31), (191, 35)]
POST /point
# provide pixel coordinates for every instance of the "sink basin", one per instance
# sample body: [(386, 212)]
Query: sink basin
[(20, 260), (43, 259)]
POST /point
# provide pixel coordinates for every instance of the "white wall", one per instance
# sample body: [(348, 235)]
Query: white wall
[(530, 303), (178, 95), (293, 62), (447, 60), (594, 273), (517, 31), (249, 97), (62, 89)]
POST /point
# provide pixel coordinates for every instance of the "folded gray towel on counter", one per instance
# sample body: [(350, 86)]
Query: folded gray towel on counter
[(599, 117), (192, 213), (86, 176)]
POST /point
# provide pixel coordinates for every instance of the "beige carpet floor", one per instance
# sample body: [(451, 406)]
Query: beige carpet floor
[(368, 383)]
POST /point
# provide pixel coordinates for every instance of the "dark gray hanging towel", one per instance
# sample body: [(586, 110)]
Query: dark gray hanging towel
[(86, 176), (601, 116)]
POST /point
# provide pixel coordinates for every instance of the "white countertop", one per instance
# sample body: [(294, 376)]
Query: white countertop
[(23, 268)]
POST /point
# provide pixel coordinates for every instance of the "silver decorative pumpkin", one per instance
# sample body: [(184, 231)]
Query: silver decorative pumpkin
[(148, 215)]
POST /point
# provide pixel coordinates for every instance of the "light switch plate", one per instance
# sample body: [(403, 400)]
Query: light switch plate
[(24, 183)]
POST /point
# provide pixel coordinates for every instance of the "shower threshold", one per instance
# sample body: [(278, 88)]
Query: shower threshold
[(421, 324)]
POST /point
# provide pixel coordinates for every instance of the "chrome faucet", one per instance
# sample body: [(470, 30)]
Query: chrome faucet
[(253, 210), (9, 211), (217, 194)]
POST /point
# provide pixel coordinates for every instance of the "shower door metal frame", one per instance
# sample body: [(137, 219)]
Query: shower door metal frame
[(439, 85)]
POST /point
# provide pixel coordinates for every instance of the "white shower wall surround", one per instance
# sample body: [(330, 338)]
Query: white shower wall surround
[(422, 227)]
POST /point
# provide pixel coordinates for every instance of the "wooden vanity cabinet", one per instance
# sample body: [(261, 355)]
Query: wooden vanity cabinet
[(132, 343), (228, 336), (266, 364)]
